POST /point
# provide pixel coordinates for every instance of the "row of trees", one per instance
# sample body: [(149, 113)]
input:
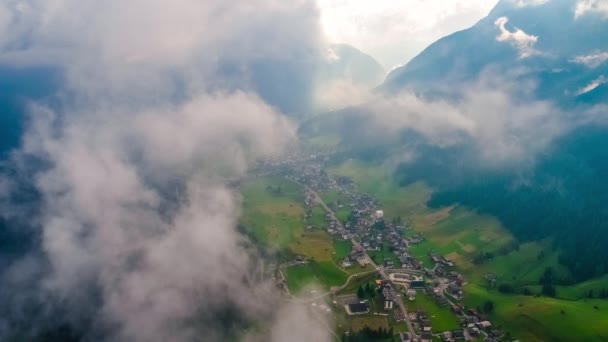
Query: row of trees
[(366, 292), (368, 334)]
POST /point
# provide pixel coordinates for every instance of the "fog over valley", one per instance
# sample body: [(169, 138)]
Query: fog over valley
[(273, 170)]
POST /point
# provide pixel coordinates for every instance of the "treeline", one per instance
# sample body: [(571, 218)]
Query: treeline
[(368, 334), (562, 196)]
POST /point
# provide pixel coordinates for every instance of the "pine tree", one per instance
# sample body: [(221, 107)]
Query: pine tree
[(360, 293)]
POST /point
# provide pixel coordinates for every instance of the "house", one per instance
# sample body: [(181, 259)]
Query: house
[(474, 332), (457, 309), (357, 308), (398, 315), (455, 290), (426, 337), (483, 325), (379, 214), (387, 293), (388, 305), (458, 334), (405, 337), (447, 336)]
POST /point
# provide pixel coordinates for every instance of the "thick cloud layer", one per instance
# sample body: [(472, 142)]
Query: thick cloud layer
[(132, 157), (496, 116)]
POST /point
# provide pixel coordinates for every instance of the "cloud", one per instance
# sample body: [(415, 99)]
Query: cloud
[(337, 94), (145, 48), (503, 125), (394, 32), (593, 60), (584, 7), (523, 42), (529, 3), (131, 159), (591, 86)]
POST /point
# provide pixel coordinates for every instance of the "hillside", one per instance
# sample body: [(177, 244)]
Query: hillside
[(546, 44)]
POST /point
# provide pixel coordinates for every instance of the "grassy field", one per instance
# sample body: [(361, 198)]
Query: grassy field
[(324, 273), (342, 249), (384, 254), (442, 318), (317, 218), (273, 218), (274, 215), (545, 319), (461, 234)]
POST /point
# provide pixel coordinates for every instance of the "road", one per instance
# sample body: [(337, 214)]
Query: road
[(380, 270)]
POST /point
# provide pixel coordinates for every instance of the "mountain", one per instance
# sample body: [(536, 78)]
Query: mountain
[(528, 42), (558, 193), (349, 63), (562, 195), (300, 87)]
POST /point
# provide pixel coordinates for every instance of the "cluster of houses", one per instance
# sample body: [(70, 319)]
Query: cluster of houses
[(368, 225)]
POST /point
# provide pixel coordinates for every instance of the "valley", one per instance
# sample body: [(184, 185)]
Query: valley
[(500, 276)]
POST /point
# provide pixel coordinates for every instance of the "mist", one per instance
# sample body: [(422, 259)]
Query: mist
[(130, 161)]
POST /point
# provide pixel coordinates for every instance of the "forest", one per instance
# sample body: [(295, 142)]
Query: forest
[(562, 196)]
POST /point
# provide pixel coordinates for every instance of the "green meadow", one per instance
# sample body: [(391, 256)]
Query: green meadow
[(324, 273), (273, 214), (442, 318)]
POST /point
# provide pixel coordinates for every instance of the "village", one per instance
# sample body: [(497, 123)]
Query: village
[(402, 276)]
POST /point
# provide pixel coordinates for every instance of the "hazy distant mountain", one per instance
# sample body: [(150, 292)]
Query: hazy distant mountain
[(546, 43), (293, 86), (347, 62)]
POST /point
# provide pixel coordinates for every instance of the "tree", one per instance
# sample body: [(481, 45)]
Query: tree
[(526, 292), (549, 290), (369, 292), (360, 293), (547, 277), (488, 306), (590, 294), (505, 288)]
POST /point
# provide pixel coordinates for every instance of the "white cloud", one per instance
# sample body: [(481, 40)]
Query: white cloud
[(593, 60), (396, 31), (529, 3), (593, 85), (337, 94), (503, 127), (138, 227), (523, 42), (584, 7)]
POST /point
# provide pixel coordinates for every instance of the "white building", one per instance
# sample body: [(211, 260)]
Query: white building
[(379, 214)]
